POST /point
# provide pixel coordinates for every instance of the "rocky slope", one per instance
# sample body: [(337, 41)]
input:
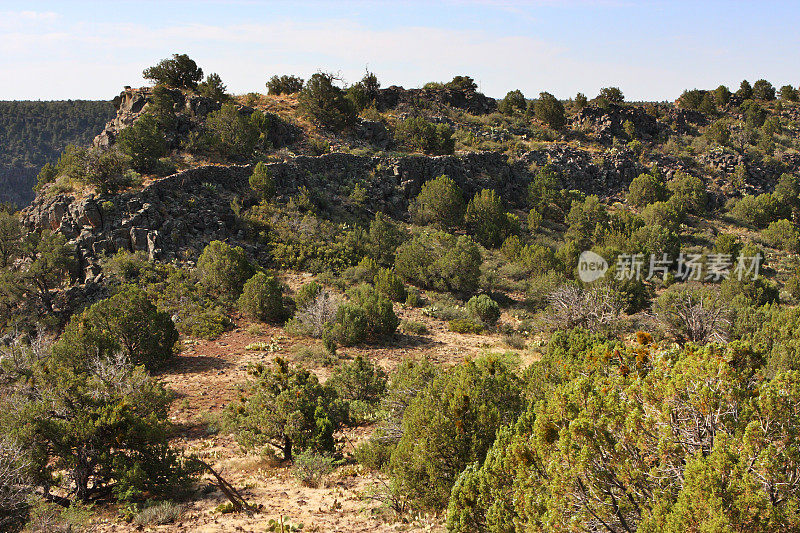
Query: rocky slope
[(175, 217)]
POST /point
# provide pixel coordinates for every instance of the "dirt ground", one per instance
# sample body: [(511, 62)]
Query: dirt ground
[(207, 375)]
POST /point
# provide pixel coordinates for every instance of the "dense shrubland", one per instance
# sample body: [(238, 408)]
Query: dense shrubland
[(651, 399)]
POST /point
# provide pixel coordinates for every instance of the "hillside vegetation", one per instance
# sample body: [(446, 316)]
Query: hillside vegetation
[(358, 308), (35, 133)]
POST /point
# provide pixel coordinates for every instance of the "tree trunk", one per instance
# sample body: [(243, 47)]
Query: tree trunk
[(46, 300), (287, 448), (80, 475)]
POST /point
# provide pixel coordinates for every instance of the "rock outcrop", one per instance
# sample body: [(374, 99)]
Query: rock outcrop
[(190, 110), (609, 122), (131, 103), (470, 101), (174, 218)]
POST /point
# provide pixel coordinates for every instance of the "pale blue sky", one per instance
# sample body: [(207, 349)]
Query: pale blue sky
[(650, 49)]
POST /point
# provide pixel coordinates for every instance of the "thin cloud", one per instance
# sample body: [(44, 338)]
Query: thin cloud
[(95, 58)]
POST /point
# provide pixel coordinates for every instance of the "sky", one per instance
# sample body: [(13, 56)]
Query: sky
[(652, 50)]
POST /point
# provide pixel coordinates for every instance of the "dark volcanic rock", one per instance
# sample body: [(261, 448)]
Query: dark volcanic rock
[(176, 217), (608, 122), (470, 101)]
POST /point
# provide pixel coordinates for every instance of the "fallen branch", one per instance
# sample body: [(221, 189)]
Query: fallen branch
[(230, 492)]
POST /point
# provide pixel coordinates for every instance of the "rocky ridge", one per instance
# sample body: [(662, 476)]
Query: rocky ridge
[(173, 218)]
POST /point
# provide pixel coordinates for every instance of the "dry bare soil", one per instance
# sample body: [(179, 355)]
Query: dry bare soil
[(207, 375)]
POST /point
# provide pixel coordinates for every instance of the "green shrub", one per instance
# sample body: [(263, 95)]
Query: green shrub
[(413, 298), (586, 219), (362, 385), (665, 214), (326, 104), (317, 355), (688, 193), (757, 211), (262, 299), (788, 93), (180, 72), (528, 473), (611, 95), (373, 453), (550, 110), (307, 294), (261, 182), (691, 99), (537, 259), (126, 323), (763, 90), (286, 408), (390, 284), (545, 195), (729, 244), (440, 261), (792, 286), (754, 114), (511, 247), (143, 142), (368, 315), (783, 235), (359, 380), (125, 266), (540, 286), (351, 326), (513, 101), (440, 202), (103, 169), (483, 308), (464, 325), (414, 327), (719, 132), (43, 515), (451, 424), (418, 134), (98, 422), (462, 83), (364, 272), (204, 322), (224, 269), (231, 133), (487, 219), (213, 88), (319, 146), (646, 189), (284, 84), (747, 291), (787, 193), (384, 237), (311, 468), (514, 340), (654, 239)]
